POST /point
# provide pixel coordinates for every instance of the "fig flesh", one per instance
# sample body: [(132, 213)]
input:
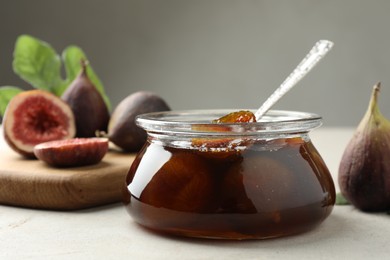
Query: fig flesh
[(72, 152), (208, 144), (364, 172), (88, 106), (122, 130), (36, 116), (241, 116)]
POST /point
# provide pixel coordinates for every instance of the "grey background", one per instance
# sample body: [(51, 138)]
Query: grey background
[(217, 53)]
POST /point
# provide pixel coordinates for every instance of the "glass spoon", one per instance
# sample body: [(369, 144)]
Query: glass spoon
[(319, 50)]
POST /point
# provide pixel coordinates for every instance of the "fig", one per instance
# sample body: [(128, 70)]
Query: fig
[(72, 152), (241, 116), (261, 181), (122, 130), (210, 144), (88, 106), (36, 116), (364, 171), (183, 183)]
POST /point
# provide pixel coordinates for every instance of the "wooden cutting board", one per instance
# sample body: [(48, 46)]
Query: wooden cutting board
[(32, 183)]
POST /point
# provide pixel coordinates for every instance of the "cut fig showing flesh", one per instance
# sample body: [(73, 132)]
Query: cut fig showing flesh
[(72, 152), (34, 117)]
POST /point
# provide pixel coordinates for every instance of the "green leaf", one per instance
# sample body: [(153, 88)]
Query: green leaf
[(6, 94), (37, 63), (72, 57), (341, 200)]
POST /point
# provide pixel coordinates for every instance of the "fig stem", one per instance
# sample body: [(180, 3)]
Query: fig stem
[(84, 63), (372, 112), (373, 105), (101, 134)]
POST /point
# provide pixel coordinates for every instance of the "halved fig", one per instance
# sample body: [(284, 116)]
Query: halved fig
[(72, 152), (34, 117)]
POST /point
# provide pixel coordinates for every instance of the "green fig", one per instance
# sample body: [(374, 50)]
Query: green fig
[(364, 172), (122, 130), (90, 111)]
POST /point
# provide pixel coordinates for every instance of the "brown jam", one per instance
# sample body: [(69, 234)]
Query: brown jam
[(265, 188)]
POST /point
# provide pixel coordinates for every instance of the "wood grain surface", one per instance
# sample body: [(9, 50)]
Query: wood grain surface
[(34, 184)]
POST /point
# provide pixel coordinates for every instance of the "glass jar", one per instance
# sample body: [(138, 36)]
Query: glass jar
[(229, 181)]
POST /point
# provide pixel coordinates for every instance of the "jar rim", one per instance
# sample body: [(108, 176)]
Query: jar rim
[(199, 122)]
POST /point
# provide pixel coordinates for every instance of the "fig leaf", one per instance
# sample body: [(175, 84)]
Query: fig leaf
[(36, 62), (72, 57), (341, 200), (6, 94)]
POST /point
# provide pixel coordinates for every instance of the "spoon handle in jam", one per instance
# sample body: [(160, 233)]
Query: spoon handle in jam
[(319, 50)]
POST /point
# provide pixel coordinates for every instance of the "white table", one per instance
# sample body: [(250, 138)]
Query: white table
[(109, 233)]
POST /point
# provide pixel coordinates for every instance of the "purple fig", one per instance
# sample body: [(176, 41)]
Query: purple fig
[(122, 130), (364, 172), (90, 111)]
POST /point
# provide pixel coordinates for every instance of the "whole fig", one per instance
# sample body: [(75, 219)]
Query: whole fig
[(364, 172), (122, 130), (88, 106)]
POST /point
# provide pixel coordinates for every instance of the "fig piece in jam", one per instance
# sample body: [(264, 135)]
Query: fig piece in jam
[(273, 184), (242, 116)]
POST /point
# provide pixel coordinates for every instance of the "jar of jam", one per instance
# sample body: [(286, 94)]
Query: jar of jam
[(252, 180)]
